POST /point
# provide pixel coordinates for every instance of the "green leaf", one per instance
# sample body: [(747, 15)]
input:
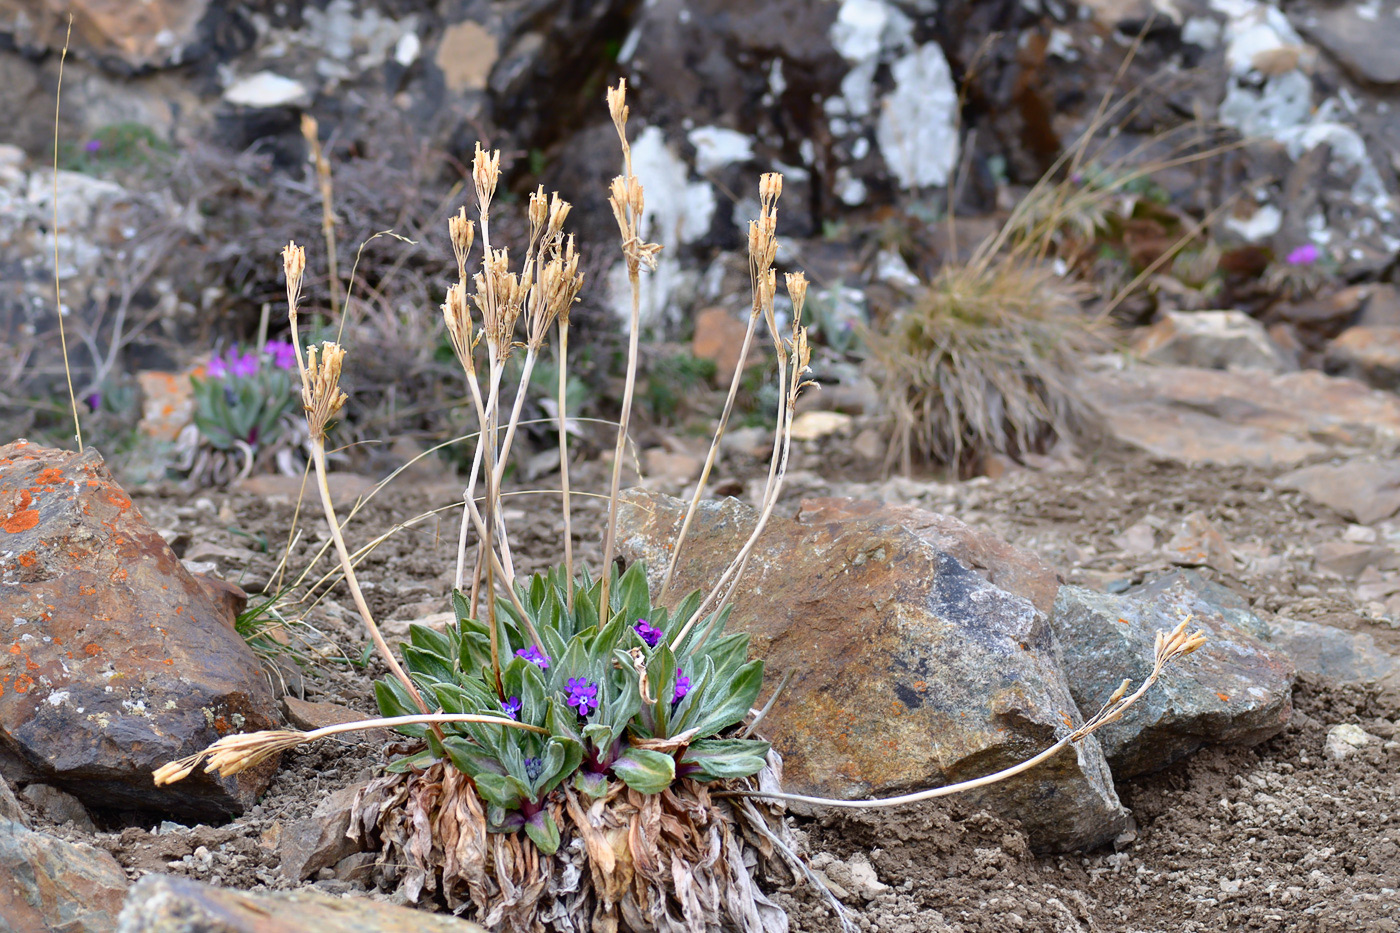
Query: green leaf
[(429, 664), (542, 832), (740, 693), (645, 771), (723, 759), (470, 758), (402, 765), (591, 784), (501, 790), (420, 636)]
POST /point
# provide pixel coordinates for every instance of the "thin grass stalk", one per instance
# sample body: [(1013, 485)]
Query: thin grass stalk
[(564, 461), (311, 132), (57, 286)]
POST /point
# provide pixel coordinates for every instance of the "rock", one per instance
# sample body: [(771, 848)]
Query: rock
[(1138, 540), (1346, 559), (1236, 689), (1212, 340), (167, 403), (671, 466), (1371, 354), (1018, 572), (870, 445), (1346, 740), (719, 336), (228, 597), (1364, 491), (151, 34), (815, 425), (169, 904), (9, 806), (396, 630), (1331, 653), (908, 670), (58, 806), (266, 89), (1197, 543), (466, 53), (1195, 416), (1382, 307), (118, 661), (307, 846), (52, 886), (307, 715), (1364, 43), (357, 868)]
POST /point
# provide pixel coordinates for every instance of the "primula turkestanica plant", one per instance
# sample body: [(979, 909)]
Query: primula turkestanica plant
[(578, 755), (243, 405)]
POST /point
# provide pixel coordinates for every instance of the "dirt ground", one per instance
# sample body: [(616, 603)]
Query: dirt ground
[(1275, 837)]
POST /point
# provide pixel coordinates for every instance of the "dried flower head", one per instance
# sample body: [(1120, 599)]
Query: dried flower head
[(320, 388), (486, 172), (463, 234), (294, 265)]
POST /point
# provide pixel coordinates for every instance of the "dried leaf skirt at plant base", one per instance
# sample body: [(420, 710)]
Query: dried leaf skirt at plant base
[(682, 861)]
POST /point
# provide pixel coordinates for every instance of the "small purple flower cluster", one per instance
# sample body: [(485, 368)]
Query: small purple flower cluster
[(1304, 255), (511, 707), (535, 656), (682, 686), (242, 365), (582, 695), (648, 632)]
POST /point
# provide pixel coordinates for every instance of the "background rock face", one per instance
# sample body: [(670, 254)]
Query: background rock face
[(908, 670), (113, 658), (1234, 690)]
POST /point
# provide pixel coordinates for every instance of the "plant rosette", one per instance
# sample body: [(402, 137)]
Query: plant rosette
[(638, 732)]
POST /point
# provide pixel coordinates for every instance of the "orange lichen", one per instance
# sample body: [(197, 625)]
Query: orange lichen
[(23, 517), (1224, 697), (28, 559), (92, 649)]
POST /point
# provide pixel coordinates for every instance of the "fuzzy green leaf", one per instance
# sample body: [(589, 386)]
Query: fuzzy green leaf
[(645, 771)]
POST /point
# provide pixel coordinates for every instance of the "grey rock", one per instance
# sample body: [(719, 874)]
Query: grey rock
[(908, 669), (9, 806), (1363, 44), (59, 806), (1371, 354), (168, 904), (51, 886), (1331, 653), (1236, 689), (1212, 340)]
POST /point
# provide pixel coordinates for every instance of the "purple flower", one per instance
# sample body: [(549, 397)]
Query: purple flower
[(284, 355), (534, 767), (648, 632), (243, 365), (93, 400), (682, 686), (216, 367), (582, 695), (534, 656), (93, 145), (1304, 255), (511, 707)]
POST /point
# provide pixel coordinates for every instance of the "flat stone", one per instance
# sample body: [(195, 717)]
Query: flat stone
[(1345, 740), (907, 669), (307, 846), (815, 425), (1347, 559), (114, 660), (1363, 44), (59, 806), (1195, 416), (1195, 542), (167, 403), (1364, 491), (307, 715), (1235, 690), (266, 89), (170, 904), (465, 55), (719, 336), (1334, 654), (51, 886), (1212, 340), (1018, 572), (346, 488), (1371, 354), (153, 33)]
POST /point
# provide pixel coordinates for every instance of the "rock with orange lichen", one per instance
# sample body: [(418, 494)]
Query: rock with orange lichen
[(908, 669), (114, 659)]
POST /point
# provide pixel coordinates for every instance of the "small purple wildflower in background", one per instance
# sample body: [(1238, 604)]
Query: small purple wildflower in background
[(284, 355), (93, 145), (216, 368), (243, 365), (1304, 255), (93, 400), (582, 695), (511, 707), (534, 655), (648, 632), (682, 686)]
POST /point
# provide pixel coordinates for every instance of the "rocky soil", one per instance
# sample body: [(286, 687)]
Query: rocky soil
[(1300, 832)]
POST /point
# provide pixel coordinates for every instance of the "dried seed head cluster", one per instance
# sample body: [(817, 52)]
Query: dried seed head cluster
[(320, 389), (294, 266), (625, 194)]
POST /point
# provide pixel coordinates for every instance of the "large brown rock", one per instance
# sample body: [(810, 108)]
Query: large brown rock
[(151, 33), (51, 886), (168, 904), (908, 670), (114, 659), (1017, 571)]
